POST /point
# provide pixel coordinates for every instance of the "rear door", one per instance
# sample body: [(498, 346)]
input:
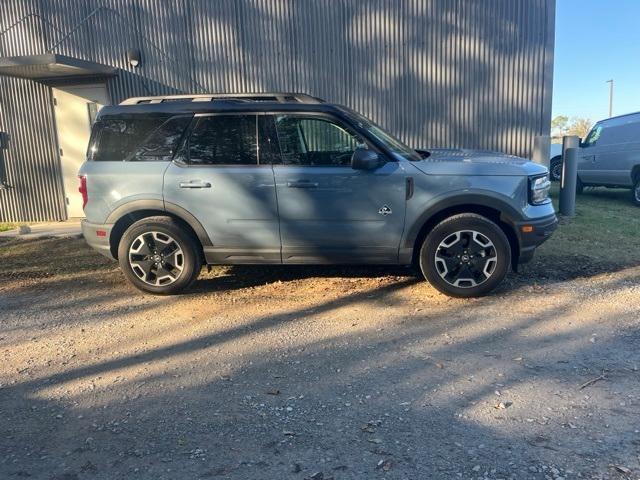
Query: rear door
[(218, 177), (329, 212)]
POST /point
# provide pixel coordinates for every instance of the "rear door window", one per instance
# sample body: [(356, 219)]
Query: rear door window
[(224, 140), (161, 145)]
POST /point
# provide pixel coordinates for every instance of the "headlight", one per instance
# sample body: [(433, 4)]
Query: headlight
[(539, 190)]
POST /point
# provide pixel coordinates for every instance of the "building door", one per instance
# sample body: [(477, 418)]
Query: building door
[(76, 108)]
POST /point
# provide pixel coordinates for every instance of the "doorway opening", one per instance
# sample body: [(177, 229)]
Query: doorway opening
[(76, 107)]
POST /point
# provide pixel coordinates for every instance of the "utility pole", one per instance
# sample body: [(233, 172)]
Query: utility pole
[(610, 82)]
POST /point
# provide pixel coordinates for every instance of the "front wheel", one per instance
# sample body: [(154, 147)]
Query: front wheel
[(157, 255), (466, 255), (635, 193)]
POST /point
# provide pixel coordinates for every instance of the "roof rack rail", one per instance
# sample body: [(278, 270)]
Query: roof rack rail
[(280, 97)]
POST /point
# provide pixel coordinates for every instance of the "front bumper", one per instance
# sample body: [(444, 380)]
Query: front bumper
[(97, 236), (533, 233)]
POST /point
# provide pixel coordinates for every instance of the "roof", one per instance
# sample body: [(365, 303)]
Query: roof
[(620, 117), (52, 68)]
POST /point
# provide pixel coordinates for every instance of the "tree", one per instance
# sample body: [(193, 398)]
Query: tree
[(580, 127), (561, 125)]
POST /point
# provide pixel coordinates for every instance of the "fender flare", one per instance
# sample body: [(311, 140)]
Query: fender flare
[(483, 198), (175, 210)]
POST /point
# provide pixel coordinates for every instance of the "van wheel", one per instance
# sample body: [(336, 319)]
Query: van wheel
[(579, 186), (466, 255), (635, 193), (158, 256), (555, 169)]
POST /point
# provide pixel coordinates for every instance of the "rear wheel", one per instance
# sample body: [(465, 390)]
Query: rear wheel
[(466, 255), (579, 186), (635, 193), (158, 256)]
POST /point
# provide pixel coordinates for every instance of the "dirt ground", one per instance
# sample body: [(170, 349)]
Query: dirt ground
[(317, 373)]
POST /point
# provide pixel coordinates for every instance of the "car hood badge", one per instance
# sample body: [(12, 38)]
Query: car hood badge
[(385, 210)]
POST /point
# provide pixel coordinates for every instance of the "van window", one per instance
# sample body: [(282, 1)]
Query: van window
[(117, 138), (593, 136), (224, 140)]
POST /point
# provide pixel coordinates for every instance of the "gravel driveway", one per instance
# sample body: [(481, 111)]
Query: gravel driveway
[(319, 373)]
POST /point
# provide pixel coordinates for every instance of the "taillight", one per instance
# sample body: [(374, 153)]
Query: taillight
[(83, 190)]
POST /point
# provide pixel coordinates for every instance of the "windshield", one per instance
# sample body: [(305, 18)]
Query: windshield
[(391, 143)]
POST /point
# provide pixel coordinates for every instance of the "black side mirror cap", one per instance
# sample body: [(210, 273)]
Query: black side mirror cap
[(363, 159)]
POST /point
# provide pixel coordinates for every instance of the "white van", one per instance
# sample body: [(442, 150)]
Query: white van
[(610, 155)]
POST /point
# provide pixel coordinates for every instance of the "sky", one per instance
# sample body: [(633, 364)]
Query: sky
[(596, 41)]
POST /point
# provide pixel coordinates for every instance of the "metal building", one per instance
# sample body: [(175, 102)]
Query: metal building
[(437, 73)]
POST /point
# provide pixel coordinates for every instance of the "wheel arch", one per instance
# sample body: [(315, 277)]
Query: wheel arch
[(126, 215), (496, 210), (635, 174)]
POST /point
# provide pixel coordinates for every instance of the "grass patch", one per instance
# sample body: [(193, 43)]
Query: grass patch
[(603, 234), (7, 226)]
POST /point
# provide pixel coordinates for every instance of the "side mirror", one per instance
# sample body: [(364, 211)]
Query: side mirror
[(4, 140), (363, 159)]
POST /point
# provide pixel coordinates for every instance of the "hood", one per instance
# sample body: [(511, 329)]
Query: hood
[(475, 162)]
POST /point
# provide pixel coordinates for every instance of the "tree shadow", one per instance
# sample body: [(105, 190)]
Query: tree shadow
[(394, 395)]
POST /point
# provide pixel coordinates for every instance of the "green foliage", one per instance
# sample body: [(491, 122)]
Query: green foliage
[(561, 125)]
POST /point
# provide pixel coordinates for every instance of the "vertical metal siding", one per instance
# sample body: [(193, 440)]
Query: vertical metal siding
[(26, 113), (437, 73)]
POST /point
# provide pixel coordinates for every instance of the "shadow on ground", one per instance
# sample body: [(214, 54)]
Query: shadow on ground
[(376, 382)]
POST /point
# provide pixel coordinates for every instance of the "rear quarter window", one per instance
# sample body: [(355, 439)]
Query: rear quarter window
[(136, 138)]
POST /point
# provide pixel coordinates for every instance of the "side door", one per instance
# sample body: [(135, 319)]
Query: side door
[(588, 170), (218, 178), (616, 159), (329, 212)]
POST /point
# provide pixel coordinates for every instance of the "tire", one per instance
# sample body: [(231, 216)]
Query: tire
[(635, 192), (157, 255), (471, 246), (555, 169), (579, 186)]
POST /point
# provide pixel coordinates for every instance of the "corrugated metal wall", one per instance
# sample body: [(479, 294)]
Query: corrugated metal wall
[(437, 73)]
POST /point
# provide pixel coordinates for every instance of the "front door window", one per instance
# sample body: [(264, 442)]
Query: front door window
[(316, 142)]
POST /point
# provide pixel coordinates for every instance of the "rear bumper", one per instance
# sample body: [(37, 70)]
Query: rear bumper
[(97, 236), (541, 230)]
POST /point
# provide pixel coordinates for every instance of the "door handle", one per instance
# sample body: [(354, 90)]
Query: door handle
[(302, 184), (195, 184)]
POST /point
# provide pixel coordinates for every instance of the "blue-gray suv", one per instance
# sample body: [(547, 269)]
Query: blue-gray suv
[(171, 183)]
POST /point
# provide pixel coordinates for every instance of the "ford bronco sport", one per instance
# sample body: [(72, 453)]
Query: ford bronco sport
[(171, 183)]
